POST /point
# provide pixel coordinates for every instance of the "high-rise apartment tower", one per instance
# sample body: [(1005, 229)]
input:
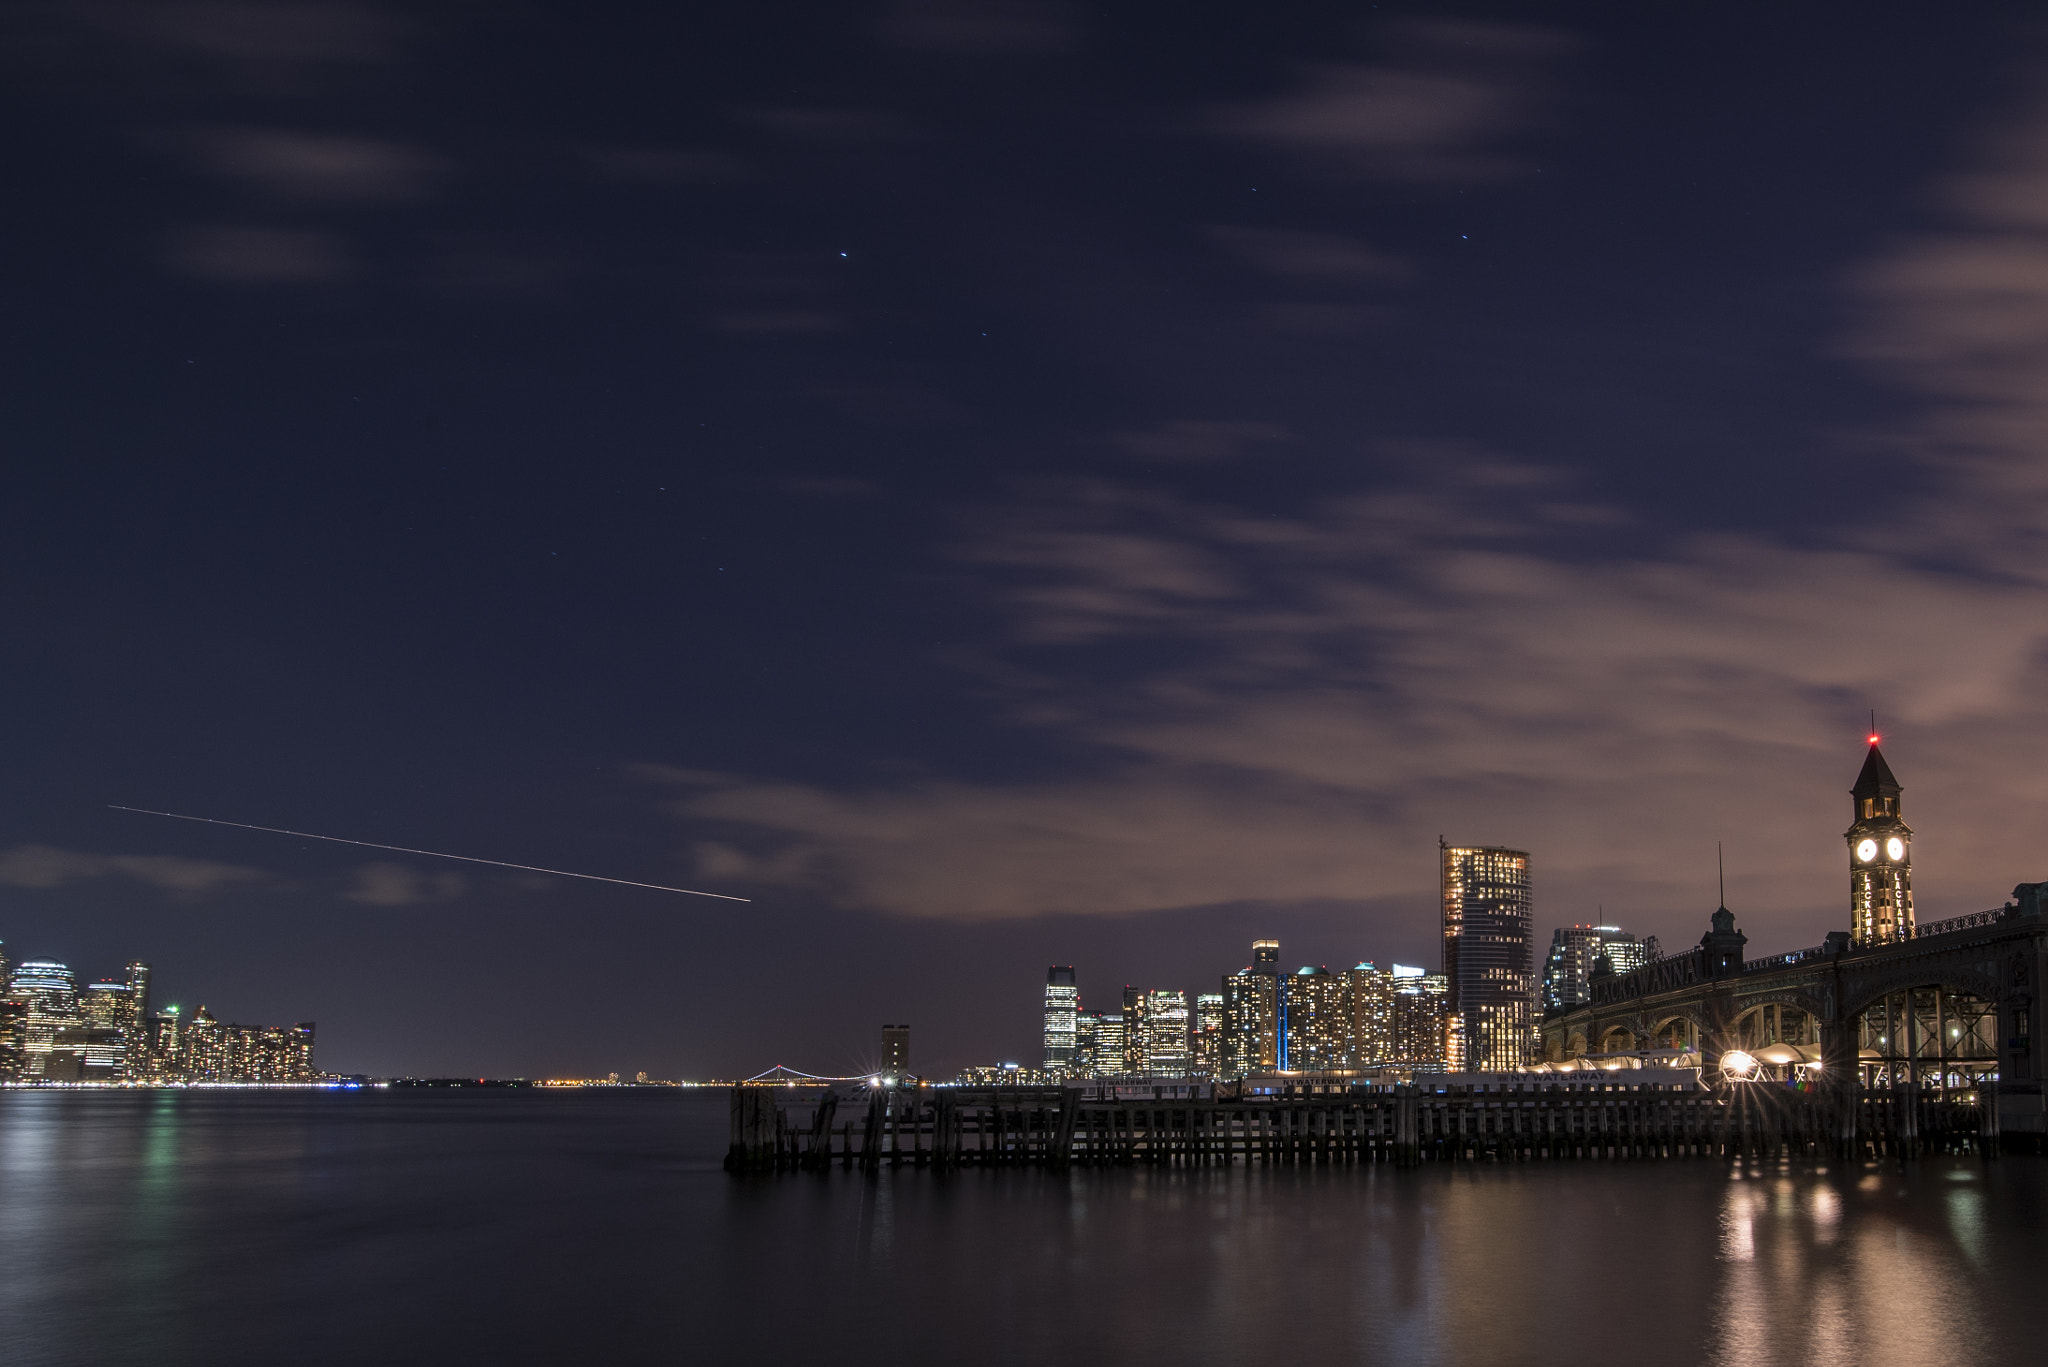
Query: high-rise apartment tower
[(1489, 960), (1062, 1005), (1575, 951), (1318, 1021), (1205, 1040), (1251, 1014)]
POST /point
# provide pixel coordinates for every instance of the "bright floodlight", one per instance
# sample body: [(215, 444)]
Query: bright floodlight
[(1737, 1064)]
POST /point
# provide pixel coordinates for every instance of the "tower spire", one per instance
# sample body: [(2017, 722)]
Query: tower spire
[(1880, 853)]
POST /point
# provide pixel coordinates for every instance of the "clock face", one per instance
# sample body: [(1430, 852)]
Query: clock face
[(1866, 850), (1895, 847)]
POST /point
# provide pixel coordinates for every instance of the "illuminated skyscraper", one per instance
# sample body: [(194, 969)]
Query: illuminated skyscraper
[(1135, 1035), (1062, 1003), (167, 1043), (1371, 994), (137, 1053), (1422, 1021), (136, 975), (50, 1045), (1087, 1037), (1489, 960), (1880, 857), (13, 1021), (271, 1053), (1568, 970), (1251, 1014), (1205, 1041), (107, 1013), (1107, 1053), (1318, 1021), (203, 1048), (210, 1051), (1166, 1033), (13, 1016)]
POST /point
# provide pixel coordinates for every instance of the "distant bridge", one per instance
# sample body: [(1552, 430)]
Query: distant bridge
[(782, 1075)]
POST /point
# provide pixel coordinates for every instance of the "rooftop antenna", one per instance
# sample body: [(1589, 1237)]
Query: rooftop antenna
[(1721, 869)]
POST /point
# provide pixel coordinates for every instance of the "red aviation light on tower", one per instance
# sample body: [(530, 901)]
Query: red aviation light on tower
[(1873, 738)]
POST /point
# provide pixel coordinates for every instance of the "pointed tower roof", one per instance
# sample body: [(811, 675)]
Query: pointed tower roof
[(1876, 779)]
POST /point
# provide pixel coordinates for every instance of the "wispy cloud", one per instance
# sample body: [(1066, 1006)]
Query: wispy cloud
[(385, 884), (259, 256), (291, 164), (1201, 440), (1959, 314), (1325, 693), (1444, 106), (255, 32), (43, 866), (1315, 258), (1349, 686)]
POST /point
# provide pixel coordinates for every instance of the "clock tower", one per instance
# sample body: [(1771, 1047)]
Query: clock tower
[(1880, 857)]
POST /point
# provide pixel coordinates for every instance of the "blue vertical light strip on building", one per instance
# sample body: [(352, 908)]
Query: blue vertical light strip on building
[(1280, 1048)]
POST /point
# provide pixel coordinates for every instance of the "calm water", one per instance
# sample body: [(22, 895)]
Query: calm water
[(225, 1229)]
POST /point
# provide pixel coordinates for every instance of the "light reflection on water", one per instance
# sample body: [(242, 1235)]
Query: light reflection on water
[(225, 1229)]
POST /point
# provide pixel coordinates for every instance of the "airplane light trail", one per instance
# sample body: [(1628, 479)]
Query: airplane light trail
[(433, 854)]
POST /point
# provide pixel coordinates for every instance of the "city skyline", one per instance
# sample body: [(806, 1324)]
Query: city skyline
[(55, 1028), (992, 493), (1480, 1012), (1311, 1021)]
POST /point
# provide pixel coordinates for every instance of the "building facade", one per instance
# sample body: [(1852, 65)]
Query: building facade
[(1318, 1021), (107, 1014), (51, 1029), (1167, 1054), (1205, 1038), (1099, 1038), (1880, 857), (1424, 1026), (1371, 996), (1251, 1014), (1062, 1006), (213, 1051), (1488, 957), (12, 1019), (1135, 1036), (895, 1048), (1576, 950)]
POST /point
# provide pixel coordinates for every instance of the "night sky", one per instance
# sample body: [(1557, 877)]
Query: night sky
[(998, 484)]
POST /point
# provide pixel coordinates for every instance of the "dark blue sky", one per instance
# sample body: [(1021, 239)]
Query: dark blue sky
[(996, 483)]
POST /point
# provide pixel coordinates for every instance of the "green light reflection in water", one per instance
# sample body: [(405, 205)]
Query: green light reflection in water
[(156, 1212)]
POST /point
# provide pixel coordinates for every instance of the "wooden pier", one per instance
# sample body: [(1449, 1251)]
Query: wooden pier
[(782, 1129)]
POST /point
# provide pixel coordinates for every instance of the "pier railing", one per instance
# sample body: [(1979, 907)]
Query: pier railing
[(949, 1127)]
